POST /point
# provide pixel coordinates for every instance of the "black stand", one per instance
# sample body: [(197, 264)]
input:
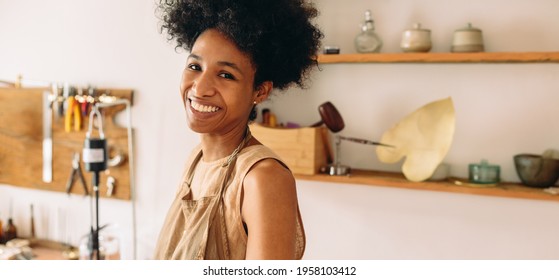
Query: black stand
[(94, 233), (95, 158)]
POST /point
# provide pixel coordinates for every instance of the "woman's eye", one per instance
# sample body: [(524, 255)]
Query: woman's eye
[(227, 76), (195, 67)]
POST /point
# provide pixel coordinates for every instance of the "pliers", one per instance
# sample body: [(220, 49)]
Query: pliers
[(73, 115), (76, 171)]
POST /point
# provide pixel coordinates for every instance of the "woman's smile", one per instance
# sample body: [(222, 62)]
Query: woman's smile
[(198, 107)]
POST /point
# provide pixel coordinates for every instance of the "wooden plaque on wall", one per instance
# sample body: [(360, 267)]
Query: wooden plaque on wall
[(21, 144)]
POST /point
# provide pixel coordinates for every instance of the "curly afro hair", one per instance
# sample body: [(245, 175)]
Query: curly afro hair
[(277, 35)]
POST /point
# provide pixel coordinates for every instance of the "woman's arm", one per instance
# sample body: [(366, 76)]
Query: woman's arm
[(269, 209)]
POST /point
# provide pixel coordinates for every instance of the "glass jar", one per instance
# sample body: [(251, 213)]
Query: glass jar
[(484, 173), (367, 41)]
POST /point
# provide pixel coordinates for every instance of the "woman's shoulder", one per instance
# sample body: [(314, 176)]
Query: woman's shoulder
[(258, 150), (259, 162), (256, 153)]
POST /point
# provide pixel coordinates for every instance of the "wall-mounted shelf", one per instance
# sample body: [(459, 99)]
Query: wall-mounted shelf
[(391, 179), (481, 57), (388, 179)]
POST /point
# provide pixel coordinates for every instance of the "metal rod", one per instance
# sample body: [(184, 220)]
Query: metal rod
[(364, 141), (337, 155), (130, 165), (96, 229), (47, 137)]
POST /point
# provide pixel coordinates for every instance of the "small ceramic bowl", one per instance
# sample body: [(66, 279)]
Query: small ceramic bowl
[(536, 171)]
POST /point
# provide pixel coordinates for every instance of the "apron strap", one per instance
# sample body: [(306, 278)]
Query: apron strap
[(217, 203)]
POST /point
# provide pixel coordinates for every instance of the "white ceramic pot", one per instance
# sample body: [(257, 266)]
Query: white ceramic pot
[(416, 39), (467, 39)]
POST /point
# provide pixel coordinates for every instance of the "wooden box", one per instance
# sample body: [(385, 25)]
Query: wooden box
[(304, 150)]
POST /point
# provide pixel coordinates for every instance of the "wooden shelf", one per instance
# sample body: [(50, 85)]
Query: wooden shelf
[(377, 178), (390, 179), (481, 57)]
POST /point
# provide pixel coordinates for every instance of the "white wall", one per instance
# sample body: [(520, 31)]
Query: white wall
[(106, 44), (501, 110)]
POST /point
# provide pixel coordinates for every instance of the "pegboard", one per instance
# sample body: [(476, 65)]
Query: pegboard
[(21, 144)]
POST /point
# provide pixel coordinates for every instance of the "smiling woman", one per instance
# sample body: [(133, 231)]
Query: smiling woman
[(237, 199)]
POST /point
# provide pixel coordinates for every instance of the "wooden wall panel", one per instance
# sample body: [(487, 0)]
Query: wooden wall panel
[(21, 136)]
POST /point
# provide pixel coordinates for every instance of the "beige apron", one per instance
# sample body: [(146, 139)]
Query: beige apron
[(211, 227)]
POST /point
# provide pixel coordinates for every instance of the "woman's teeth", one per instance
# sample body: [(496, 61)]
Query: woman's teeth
[(203, 108)]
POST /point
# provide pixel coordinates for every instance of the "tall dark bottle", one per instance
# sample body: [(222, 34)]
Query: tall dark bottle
[(1, 233), (10, 232)]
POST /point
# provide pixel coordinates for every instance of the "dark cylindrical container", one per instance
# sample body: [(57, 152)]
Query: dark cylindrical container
[(95, 154)]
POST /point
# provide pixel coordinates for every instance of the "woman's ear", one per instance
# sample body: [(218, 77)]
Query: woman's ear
[(263, 91)]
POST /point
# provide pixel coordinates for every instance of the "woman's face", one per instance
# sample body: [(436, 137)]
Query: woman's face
[(217, 85)]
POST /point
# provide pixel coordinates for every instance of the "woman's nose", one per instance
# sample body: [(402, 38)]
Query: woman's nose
[(203, 85)]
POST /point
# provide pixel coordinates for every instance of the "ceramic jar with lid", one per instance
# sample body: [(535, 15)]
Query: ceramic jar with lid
[(416, 39), (467, 39)]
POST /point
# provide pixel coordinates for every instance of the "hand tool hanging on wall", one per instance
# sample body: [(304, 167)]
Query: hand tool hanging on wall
[(85, 100), (73, 115), (111, 182), (57, 101), (88, 101), (47, 137), (95, 159), (76, 171)]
